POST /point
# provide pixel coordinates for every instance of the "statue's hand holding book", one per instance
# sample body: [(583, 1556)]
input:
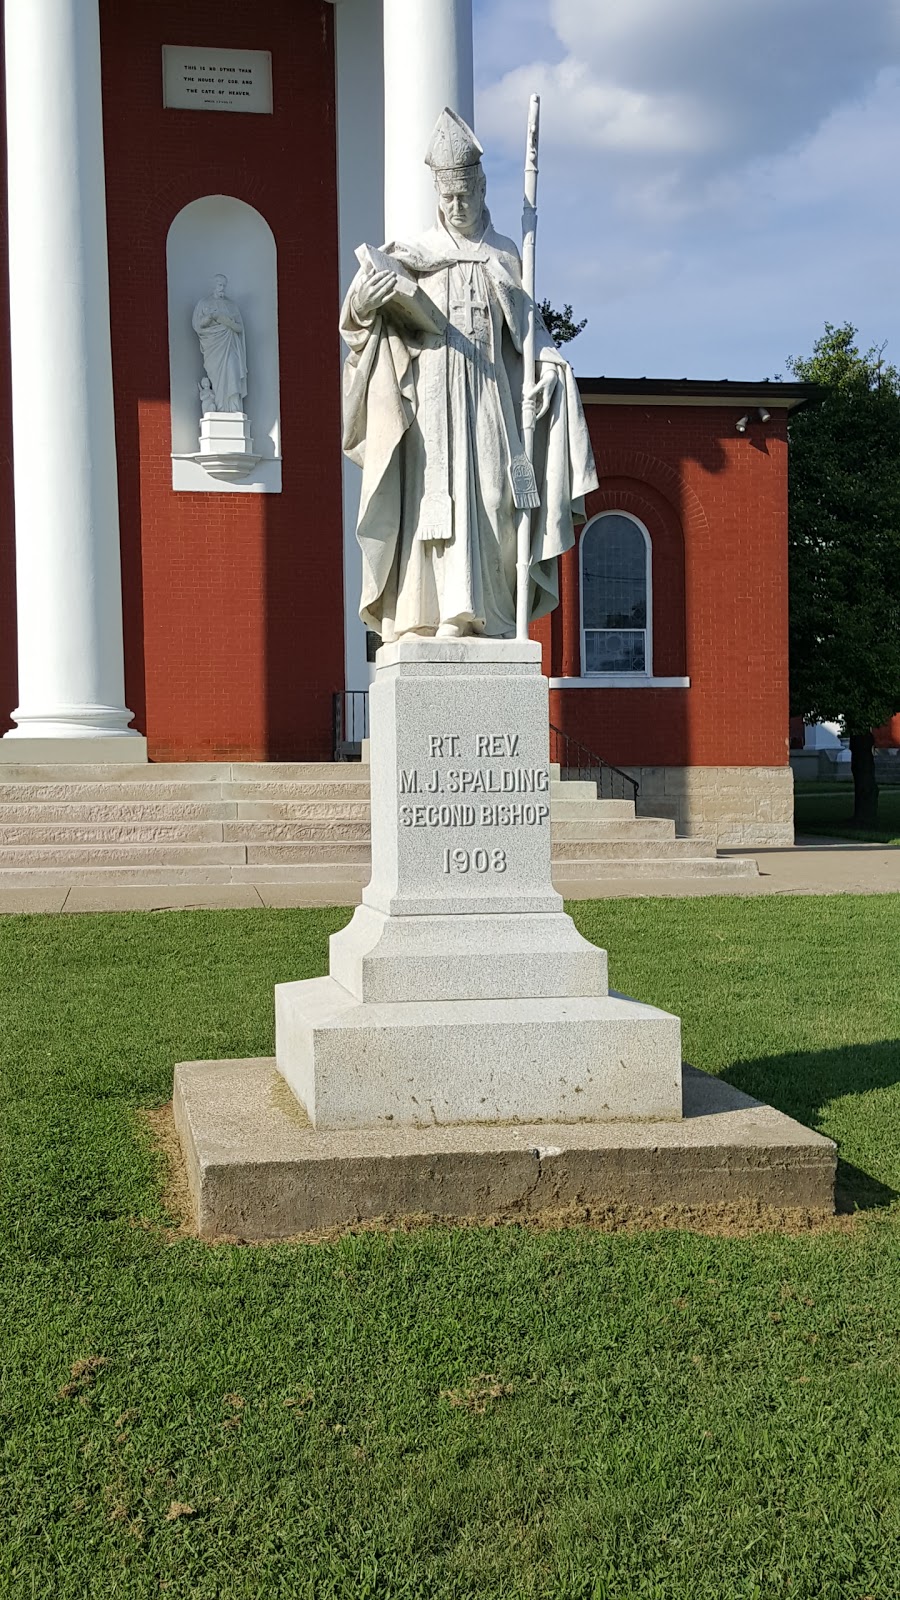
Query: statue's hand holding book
[(388, 287)]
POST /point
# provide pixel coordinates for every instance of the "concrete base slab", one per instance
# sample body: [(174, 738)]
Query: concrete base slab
[(258, 1170), (355, 1064)]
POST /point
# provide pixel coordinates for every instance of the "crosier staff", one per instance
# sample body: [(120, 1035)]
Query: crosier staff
[(529, 399)]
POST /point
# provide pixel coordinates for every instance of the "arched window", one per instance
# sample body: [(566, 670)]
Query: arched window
[(616, 611)]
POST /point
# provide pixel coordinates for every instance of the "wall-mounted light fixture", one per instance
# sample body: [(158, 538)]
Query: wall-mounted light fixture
[(743, 422)]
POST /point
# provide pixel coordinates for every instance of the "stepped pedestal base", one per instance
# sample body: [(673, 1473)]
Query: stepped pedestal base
[(359, 1065), (464, 1058), (461, 992)]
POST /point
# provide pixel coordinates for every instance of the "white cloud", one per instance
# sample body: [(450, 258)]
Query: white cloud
[(590, 114), (699, 78), (716, 182)]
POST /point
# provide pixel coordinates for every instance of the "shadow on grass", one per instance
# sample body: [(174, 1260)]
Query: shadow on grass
[(806, 1083)]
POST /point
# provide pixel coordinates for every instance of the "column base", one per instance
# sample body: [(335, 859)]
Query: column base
[(21, 749)]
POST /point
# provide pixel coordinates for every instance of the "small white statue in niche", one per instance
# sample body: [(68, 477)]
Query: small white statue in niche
[(207, 398), (219, 326)]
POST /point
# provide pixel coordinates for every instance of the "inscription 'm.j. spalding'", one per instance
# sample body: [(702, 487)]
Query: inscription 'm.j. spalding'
[(476, 780)]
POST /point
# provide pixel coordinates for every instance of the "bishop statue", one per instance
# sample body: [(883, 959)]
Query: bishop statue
[(433, 415)]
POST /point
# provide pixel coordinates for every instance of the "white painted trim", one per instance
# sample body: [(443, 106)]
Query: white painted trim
[(648, 572), (721, 402), (620, 680)]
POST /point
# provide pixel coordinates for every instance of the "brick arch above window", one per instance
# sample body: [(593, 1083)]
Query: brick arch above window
[(647, 472)]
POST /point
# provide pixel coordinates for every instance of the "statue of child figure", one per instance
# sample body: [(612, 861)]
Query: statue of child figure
[(207, 398)]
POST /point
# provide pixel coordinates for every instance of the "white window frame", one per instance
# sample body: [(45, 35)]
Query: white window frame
[(618, 679)]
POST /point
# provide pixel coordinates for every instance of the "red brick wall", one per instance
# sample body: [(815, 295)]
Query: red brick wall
[(715, 505), (225, 654)]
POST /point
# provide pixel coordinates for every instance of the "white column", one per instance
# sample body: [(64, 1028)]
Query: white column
[(359, 88), (427, 65), (68, 582)]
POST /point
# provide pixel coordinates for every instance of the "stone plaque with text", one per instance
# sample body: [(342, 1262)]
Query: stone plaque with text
[(460, 778), (206, 79)]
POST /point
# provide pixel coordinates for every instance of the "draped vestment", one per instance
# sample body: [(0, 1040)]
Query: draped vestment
[(224, 351), (429, 417)]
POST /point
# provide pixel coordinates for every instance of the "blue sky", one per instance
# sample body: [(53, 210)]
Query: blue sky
[(717, 181)]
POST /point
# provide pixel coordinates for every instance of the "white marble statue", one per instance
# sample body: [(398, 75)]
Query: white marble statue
[(432, 414), (219, 326)]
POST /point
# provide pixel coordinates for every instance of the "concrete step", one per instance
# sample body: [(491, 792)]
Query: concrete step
[(299, 771), (597, 827), (568, 810), (303, 811), (318, 831), (181, 771), (83, 813), (299, 792), (628, 849), (108, 793), (349, 875), (211, 793), (95, 834), (573, 791), (177, 833), (117, 772), (84, 858), (297, 853), (580, 872)]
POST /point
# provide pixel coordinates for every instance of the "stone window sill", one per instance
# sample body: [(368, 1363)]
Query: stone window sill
[(620, 680)]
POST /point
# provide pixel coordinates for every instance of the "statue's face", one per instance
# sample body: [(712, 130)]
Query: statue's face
[(220, 284), (462, 198)]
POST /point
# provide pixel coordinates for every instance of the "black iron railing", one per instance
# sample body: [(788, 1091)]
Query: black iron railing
[(350, 723), (576, 761)]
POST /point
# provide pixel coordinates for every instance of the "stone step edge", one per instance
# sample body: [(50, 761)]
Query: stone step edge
[(347, 875)]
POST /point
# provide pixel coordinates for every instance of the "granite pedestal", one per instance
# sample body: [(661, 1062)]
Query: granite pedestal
[(461, 992)]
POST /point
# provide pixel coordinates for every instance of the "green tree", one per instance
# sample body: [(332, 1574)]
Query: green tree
[(845, 549), (560, 324)]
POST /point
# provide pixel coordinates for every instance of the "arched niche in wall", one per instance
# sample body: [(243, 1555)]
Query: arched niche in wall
[(218, 234)]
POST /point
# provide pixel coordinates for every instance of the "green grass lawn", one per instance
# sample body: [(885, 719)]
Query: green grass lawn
[(828, 808), (459, 1413)]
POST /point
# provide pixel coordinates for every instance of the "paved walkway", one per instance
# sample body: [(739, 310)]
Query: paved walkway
[(813, 866)]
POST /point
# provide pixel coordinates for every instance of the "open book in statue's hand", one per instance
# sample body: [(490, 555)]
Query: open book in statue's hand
[(409, 306)]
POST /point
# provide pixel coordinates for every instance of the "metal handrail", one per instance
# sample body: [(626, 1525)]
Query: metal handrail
[(575, 760)]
